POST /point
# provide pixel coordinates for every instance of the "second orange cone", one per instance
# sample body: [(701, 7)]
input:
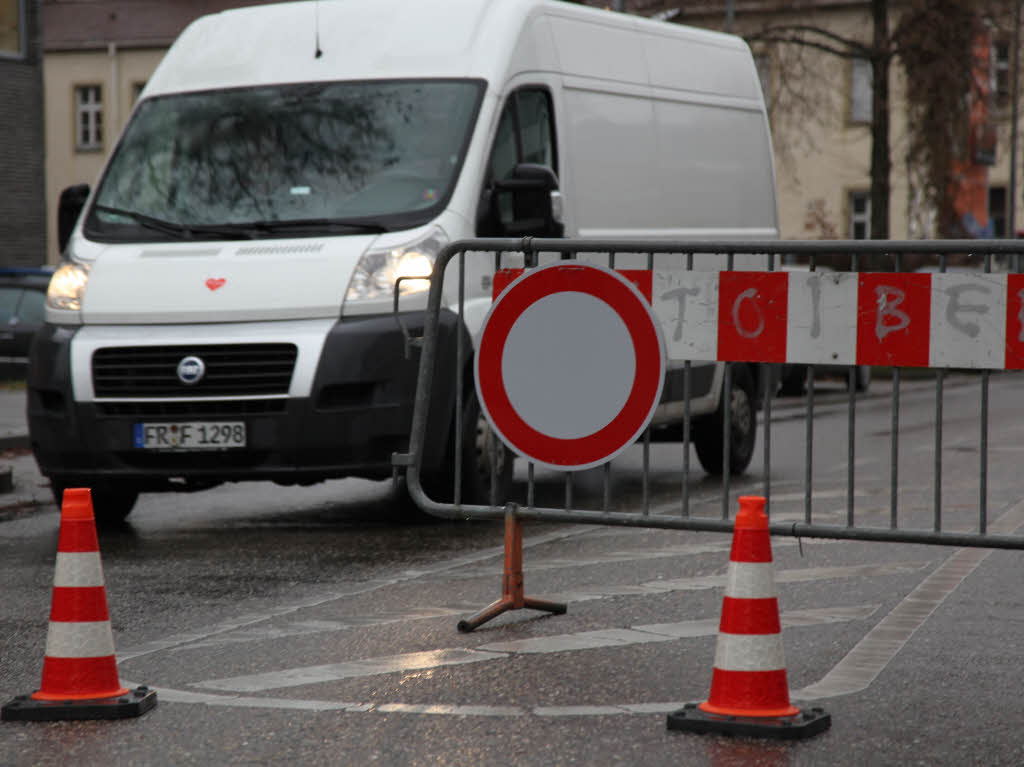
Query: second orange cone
[(749, 690)]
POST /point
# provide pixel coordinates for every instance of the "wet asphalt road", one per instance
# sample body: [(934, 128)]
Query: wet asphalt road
[(317, 625)]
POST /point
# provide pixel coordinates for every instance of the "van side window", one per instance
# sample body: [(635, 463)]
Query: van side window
[(526, 134), (535, 127), (506, 153)]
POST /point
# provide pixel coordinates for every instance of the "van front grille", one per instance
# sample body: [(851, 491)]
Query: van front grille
[(232, 370)]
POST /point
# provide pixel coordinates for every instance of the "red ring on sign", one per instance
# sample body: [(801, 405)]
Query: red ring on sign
[(632, 419)]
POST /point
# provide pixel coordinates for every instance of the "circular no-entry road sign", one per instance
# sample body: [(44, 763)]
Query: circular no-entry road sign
[(570, 365)]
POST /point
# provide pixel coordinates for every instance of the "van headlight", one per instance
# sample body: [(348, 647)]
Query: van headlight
[(377, 271), (67, 286)]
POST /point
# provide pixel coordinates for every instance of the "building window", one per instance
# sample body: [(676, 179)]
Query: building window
[(861, 91), (997, 210), (12, 28), (860, 216), (88, 118), (1001, 73)]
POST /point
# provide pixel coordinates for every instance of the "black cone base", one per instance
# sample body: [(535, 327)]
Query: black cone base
[(803, 725), (25, 709)]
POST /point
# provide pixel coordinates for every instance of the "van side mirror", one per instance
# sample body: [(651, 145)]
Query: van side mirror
[(527, 203), (72, 200)]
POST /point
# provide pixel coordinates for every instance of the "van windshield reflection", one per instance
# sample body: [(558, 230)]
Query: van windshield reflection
[(292, 160)]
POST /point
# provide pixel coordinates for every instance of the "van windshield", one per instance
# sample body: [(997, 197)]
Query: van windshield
[(286, 160)]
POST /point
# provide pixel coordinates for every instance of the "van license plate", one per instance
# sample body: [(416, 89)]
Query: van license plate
[(189, 435)]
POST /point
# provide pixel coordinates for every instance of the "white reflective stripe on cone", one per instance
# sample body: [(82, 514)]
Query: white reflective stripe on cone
[(81, 568), (750, 580), (749, 652), (81, 639)]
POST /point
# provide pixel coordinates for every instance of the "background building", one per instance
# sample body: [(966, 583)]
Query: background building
[(22, 197)]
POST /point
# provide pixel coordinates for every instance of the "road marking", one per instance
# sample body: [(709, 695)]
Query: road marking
[(586, 640), (170, 695), (254, 633), (872, 654), (178, 640)]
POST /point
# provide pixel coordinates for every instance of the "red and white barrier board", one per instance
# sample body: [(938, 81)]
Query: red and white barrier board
[(950, 320)]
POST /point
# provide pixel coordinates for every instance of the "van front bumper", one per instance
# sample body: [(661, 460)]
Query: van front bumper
[(358, 412)]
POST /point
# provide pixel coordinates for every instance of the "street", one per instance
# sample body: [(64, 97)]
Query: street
[(318, 625)]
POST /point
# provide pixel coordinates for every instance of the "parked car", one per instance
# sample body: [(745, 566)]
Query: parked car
[(22, 301)]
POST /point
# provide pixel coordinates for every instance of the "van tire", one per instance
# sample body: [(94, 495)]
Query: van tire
[(707, 438), (476, 466), (110, 505)]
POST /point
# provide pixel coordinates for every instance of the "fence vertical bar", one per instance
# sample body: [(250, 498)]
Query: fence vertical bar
[(685, 492), (894, 488), (568, 490), (894, 451), (768, 396), (983, 438), (460, 364), (530, 485), (983, 481), (809, 446), (851, 447), (937, 500), (607, 499), (646, 501), (726, 418), (687, 371)]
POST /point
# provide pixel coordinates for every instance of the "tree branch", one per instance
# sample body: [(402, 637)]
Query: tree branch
[(802, 34)]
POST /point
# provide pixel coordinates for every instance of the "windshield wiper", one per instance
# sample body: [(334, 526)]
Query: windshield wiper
[(327, 225), (179, 231)]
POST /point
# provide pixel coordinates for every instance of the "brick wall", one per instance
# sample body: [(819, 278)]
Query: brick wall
[(22, 194)]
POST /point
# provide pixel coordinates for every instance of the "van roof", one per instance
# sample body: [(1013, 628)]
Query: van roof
[(277, 43)]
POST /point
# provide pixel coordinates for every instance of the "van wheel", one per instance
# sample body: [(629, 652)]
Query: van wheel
[(475, 461), (110, 505), (707, 437)]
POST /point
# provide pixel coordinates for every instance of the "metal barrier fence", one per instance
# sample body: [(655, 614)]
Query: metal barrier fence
[(983, 333)]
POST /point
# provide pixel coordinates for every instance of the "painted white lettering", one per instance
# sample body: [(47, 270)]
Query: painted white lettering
[(955, 307), (749, 293), (679, 295), (814, 283), (888, 299)]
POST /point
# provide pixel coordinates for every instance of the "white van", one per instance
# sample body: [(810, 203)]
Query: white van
[(224, 310)]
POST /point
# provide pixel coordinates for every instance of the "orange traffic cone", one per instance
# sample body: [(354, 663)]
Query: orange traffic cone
[(749, 690), (79, 671)]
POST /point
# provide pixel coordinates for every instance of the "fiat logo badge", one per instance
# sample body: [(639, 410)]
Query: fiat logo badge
[(191, 370)]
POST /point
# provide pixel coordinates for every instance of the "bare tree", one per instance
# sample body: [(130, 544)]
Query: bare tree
[(935, 41)]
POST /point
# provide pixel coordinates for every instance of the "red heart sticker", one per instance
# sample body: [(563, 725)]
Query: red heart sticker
[(215, 282)]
